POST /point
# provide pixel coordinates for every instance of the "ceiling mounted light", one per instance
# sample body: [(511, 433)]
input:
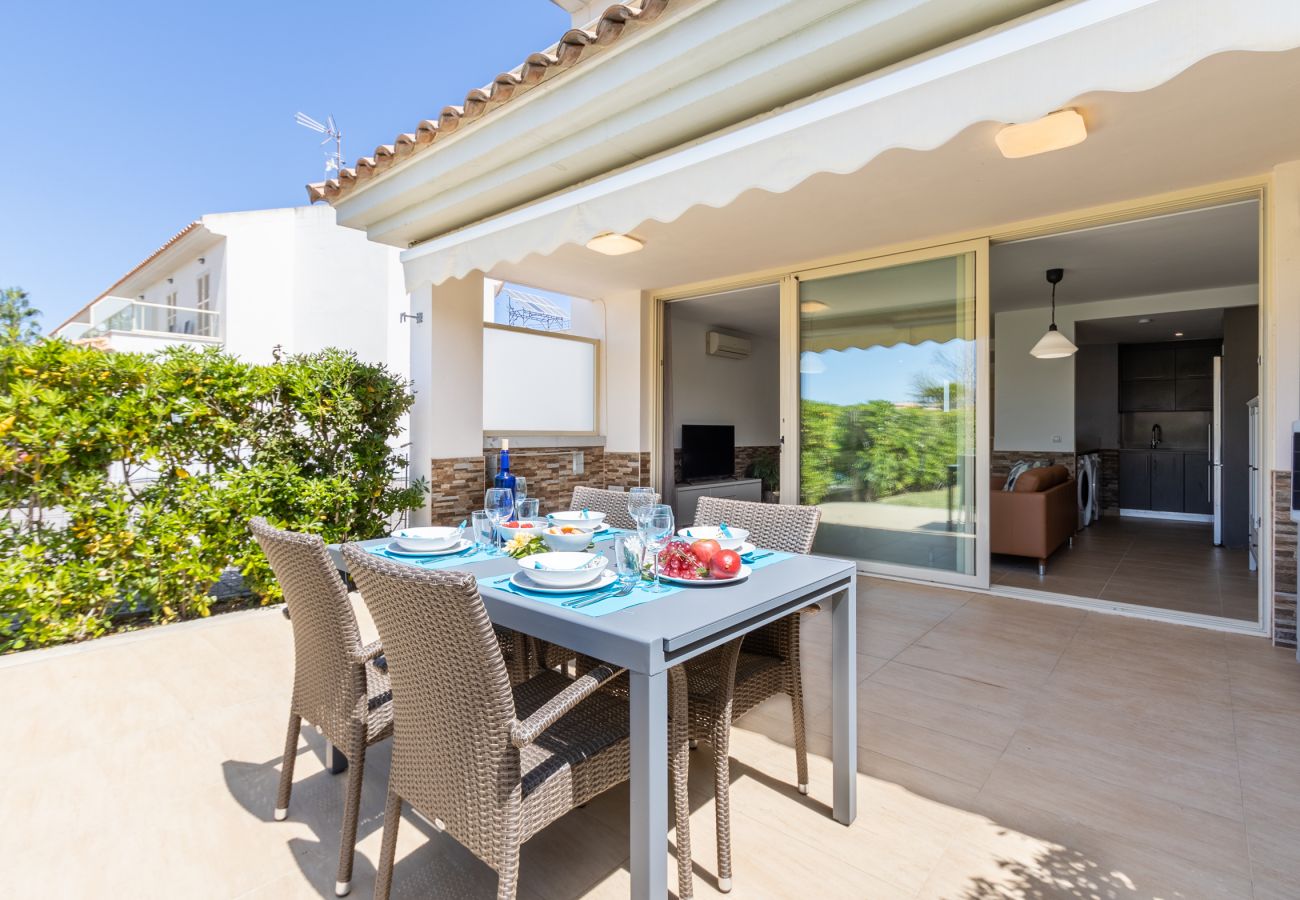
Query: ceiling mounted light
[(612, 244), (1054, 345), (1144, 321), (813, 306), (1178, 334), (1054, 131)]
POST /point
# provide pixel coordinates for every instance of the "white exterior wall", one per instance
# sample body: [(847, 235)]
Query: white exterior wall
[(256, 296), (281, 277), (1283, 339)]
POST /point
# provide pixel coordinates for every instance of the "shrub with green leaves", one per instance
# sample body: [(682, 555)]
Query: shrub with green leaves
[(127, 480)]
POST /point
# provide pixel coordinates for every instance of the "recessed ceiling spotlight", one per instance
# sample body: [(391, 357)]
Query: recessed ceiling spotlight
[(1144, 321), (1054, 131), (1178, 334), (813, 306), (612, 244)]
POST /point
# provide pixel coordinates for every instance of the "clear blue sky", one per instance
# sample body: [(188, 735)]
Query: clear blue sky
[(120, 123)]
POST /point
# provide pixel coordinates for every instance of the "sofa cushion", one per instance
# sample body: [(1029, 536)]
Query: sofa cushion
[(1018, 468), (1041, 479)]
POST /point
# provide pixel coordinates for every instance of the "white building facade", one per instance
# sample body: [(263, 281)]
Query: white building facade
[(258, 283)]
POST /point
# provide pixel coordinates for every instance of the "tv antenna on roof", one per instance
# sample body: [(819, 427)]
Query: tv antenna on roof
[(333, 161)]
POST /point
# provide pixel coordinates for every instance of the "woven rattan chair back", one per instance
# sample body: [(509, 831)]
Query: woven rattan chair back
[(772, 526), (452, 702), (612, 503), (327, 686)]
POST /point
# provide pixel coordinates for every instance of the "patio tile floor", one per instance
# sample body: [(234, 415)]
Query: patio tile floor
[(1008, 749)]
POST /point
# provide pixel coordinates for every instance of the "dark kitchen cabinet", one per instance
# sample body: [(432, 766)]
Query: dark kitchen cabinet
[(1142, 396), (1145, 362), (1172, 377), (1167, 481), (1194, 394), (1196, 484), (1195, 360), (1134, 479)]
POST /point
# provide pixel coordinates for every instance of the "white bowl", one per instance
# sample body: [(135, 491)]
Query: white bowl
[(529, 527), (588, 520), (732, 541), (579, 539), (563, 569), (429, 538)]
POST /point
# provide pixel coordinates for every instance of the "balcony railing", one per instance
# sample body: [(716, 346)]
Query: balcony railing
[(140, 317)]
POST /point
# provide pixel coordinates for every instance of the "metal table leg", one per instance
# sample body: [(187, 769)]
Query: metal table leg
[(844, 702), (649, 785)]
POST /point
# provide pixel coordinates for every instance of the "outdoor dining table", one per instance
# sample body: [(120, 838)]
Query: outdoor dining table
[(668, 630)]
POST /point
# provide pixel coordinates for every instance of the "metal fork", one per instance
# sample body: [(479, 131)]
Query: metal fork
[(580, 602)]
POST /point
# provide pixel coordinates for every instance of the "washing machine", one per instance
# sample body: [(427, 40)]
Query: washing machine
[(1088, 480)]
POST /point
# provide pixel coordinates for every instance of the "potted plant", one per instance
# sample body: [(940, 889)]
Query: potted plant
[(767, 468)]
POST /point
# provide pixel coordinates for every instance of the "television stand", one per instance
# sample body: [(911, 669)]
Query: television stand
[(689, 493)]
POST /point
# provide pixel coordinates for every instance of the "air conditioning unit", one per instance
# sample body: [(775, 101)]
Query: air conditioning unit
[(728, 346)]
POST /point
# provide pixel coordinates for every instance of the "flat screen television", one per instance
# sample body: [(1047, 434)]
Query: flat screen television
[(708, 451)]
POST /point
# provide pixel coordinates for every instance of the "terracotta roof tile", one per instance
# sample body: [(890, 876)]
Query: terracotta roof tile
[(576, 44)]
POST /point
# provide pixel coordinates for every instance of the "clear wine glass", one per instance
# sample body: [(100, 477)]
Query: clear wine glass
[(639, 500), (521, 494), (655, 529), (499, 503)]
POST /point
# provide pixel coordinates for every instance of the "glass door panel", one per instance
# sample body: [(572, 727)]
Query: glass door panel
[(889, 359)]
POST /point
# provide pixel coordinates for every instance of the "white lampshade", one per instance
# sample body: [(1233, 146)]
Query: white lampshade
[(1053, 345)]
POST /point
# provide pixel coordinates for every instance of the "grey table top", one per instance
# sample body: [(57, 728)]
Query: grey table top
[(668, 630)]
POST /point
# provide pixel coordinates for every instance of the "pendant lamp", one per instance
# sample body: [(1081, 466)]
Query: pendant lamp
[(1053, 345)]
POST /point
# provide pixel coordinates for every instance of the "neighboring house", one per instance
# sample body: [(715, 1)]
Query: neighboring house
[(256, 283), (850, 169)]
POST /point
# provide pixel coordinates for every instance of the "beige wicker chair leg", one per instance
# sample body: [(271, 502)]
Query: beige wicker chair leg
[(720, 738), (286, 768), (388, 848), (679, 757), (508, 873), (351, 812), (722, 800)]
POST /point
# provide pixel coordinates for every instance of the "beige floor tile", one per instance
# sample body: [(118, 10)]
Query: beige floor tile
[(1190, 834), (1142, 760)]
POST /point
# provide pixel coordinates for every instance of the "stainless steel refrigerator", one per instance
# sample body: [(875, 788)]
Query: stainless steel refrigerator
[(1216, 452)]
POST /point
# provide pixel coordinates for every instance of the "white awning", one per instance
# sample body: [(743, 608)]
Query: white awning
[(1013, 74)]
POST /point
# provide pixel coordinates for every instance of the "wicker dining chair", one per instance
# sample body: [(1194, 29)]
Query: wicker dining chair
[(338, 684), (489, 763), (731, 681), (612, 503)]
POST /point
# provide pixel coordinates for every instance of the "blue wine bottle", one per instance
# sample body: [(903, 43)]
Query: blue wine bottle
[(503, 478)]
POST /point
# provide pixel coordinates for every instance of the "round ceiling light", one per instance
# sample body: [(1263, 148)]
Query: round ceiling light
[(612, 244), (813, 306)]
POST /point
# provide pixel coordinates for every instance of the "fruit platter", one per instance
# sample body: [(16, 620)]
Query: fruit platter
[(701, 562)]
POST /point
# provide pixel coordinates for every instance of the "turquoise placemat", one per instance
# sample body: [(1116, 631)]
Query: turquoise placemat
[(436, 562), (640, 594)]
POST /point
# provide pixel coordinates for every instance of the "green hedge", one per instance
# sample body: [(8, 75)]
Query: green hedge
[(128, 480), (867, 451)]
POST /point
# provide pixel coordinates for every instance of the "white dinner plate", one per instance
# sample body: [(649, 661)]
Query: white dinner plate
[(746, 548), (524, 583), (459, 547), (708, 582)]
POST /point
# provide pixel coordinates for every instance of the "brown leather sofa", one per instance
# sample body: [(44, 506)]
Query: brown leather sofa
[(1035, 518)]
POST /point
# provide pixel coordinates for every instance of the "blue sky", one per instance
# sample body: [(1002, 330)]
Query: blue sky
[(877, 373), (120, 123)]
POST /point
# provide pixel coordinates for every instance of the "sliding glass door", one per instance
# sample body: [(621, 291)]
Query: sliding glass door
[(892, 413)]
